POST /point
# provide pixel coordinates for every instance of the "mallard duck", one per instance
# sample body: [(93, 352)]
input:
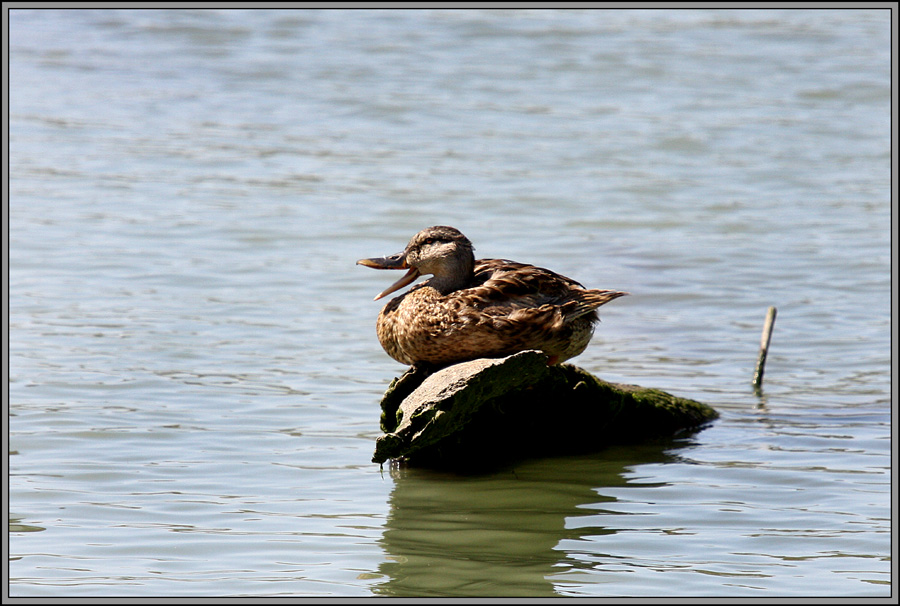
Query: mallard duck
[(472, 309)]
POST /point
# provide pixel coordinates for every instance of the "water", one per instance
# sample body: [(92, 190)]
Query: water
[(194, 374)]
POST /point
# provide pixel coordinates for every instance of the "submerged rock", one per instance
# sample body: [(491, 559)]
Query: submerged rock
[(490, 411)]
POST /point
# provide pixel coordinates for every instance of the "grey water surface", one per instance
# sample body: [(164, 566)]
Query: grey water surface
[(194, 373)]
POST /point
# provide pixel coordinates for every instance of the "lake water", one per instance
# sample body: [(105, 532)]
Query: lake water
[(194, 373)]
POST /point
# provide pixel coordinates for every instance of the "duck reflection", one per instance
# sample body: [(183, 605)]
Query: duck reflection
[(498, 534)]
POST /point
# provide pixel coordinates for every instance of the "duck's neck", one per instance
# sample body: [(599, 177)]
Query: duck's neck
[(454, 276)]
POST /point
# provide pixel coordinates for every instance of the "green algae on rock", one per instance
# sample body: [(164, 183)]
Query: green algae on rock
[(490, 411)]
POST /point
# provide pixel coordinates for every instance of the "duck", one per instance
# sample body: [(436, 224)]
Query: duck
[(487, 308)]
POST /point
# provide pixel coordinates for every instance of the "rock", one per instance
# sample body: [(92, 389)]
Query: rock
[(488, 412)]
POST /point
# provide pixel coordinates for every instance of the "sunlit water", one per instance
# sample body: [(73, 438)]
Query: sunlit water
[(194, 374)]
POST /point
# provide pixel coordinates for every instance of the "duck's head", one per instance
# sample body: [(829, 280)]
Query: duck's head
[(440, 250)]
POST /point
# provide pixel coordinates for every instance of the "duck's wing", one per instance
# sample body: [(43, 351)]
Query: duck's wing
[(503, 277), (501, 287)]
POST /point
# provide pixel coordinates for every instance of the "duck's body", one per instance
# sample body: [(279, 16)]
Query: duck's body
[(480, 309)]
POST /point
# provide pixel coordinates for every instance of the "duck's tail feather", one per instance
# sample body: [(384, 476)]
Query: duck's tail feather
[(588, 301)]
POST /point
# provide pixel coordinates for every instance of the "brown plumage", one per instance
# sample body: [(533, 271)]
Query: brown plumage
[(480, 309)]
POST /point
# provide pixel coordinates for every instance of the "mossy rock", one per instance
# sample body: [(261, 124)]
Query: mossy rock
[(489, 412)]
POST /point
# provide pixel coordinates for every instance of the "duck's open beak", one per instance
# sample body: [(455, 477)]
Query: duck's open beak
[(397, 261)]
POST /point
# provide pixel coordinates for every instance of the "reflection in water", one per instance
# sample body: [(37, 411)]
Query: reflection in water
[(498, 534), (16, 525)]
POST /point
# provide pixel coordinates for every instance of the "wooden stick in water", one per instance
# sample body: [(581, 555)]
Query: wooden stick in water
[(764, 347)]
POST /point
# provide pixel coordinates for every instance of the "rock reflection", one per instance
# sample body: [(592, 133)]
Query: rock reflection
[(16, 525), (498, 534)]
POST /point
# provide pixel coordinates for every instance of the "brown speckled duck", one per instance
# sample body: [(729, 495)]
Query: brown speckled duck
[(472, 309)]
